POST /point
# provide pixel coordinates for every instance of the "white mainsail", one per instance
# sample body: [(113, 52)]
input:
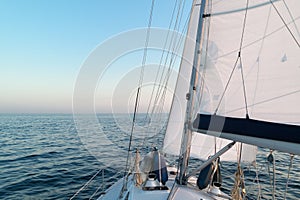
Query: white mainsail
[(269, 57), (202, 146), (257, 48)]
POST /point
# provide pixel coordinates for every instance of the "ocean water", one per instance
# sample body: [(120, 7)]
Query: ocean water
[(49, 156)]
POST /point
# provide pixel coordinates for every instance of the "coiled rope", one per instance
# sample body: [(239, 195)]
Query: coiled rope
[(236, 194)]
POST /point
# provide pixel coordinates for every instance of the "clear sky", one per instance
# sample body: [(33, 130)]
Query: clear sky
[(43, 44)]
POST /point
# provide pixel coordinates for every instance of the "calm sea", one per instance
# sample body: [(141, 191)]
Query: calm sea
[(44, 156)]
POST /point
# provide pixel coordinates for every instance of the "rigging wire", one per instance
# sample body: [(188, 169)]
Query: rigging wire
[(162, 84), (173, 57), (160, 95), (176, 46), (172, 61), (285, 24), (270, 34), (146, 45), (244, 88), (161, 59), (162, 92), (171, 49), (222, 96), (239, 59), (288, 9), (240, 55), (125, 177)]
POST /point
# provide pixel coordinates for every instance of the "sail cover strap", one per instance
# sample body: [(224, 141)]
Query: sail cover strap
[(248, 127)]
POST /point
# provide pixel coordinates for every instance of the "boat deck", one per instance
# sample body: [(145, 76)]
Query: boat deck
[(174, 191)]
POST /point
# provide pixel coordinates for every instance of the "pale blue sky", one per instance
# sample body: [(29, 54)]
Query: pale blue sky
[(43, 44)]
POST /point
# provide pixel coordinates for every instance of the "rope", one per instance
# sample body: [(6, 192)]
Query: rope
[(236, 194), (288, 177)]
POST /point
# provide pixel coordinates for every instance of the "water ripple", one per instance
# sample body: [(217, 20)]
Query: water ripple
[(42, 157)]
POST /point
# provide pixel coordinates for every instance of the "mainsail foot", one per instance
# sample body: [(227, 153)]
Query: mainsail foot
[(279, 136)]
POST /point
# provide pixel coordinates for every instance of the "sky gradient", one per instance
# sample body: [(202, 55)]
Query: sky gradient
[(44, 43)]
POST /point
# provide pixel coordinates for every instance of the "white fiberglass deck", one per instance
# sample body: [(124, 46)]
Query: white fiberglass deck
[(174, 192)]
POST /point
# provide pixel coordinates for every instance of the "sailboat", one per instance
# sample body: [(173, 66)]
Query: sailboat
[(238, 89)]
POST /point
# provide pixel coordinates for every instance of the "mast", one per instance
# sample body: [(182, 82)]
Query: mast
[(187, 132)]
